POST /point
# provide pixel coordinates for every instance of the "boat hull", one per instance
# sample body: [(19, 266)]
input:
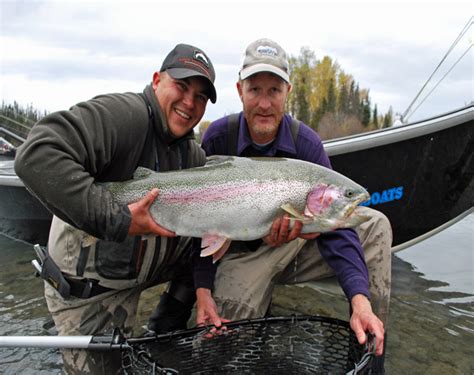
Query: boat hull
[(419, 181), (22, 216)]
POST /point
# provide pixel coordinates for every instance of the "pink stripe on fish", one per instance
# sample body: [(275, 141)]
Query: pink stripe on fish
[(213, 193)]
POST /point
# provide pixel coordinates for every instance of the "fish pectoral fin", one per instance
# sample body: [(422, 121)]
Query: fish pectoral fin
[(215, 245), (142, 173), (293, 212), (218, 159), (220, 253)]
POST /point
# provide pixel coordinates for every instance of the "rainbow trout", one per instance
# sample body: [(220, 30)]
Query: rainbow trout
[(235, 198)]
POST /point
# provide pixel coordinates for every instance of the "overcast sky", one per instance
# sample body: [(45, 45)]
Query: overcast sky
[(57, 53)]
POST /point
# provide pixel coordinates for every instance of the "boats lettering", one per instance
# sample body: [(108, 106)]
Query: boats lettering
[(385, 196)]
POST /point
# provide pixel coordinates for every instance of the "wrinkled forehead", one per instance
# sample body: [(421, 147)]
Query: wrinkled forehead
[(265, 78)]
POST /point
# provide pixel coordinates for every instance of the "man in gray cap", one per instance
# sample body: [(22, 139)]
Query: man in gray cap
[(93, 288), (249, 271)]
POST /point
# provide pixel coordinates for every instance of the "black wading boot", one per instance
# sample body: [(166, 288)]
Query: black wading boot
[(174, 309)]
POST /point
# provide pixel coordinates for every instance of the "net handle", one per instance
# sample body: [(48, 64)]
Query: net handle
[(116, 341)]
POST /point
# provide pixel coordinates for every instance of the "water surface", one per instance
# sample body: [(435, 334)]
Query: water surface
[(430, 330)]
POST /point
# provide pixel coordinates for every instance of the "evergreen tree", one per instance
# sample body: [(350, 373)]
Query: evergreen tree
[(351, 107), (331, 98), (356, 101), (302, 107), (388, 118), (365, 110), (343, 102), (375, 119)]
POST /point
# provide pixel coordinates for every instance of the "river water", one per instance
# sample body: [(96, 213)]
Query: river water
[(430, 330)]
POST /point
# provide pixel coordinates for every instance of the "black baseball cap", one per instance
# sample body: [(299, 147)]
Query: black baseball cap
[(188, 61)]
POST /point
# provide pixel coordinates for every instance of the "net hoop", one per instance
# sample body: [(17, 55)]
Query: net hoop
[(283, 345)]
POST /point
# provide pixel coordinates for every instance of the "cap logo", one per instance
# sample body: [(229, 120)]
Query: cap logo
[(267, 50), (198, 55)]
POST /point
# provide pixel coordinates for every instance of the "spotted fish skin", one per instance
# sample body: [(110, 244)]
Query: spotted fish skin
[(238, 198)]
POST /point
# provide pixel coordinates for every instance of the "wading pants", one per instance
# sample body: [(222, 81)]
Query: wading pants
[(99, 315)]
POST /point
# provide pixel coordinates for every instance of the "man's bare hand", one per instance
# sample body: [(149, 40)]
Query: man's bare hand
[(206, 312), (364, 320), (142, 222), (280, 233)]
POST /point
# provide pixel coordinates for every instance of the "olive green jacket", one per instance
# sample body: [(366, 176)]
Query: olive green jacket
[(68, 153), (66, 157)]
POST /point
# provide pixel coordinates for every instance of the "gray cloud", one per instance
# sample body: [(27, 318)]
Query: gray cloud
[(75, 41)]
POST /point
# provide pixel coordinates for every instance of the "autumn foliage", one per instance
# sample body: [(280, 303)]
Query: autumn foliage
[(329, 100)]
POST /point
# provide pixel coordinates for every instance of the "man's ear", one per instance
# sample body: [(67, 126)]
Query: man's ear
[(156, 79), (290, 88), (239, 85)]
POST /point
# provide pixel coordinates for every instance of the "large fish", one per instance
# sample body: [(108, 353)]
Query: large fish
[(234, 198)]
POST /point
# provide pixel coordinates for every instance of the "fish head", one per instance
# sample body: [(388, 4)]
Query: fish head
[(335, 204)]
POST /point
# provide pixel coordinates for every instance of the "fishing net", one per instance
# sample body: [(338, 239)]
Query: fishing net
[(280, 345)]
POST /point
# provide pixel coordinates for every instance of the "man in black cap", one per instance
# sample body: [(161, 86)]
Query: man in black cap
[(67, 155)]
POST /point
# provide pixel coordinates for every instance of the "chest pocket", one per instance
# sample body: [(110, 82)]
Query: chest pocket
[(121, 265), (122, 261), (114, 265)]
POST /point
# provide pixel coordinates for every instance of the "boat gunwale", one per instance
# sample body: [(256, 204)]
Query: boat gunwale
[(11, 180), (400, 133)]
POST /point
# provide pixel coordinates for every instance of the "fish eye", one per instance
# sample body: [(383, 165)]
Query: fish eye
[(349, 193)]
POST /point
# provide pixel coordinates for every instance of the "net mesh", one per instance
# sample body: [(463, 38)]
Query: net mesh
[(282, 345)]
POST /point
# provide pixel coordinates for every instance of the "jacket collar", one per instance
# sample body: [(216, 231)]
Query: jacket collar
[(160, 122), (283, 142)]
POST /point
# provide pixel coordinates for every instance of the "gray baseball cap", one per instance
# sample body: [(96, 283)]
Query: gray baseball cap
[(264, 55)]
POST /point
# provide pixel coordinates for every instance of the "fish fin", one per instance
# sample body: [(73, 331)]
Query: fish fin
[(355, 218), (292, 211), (88, 241), (218, 159), (142, 173), (220, 253), (212, 243)]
